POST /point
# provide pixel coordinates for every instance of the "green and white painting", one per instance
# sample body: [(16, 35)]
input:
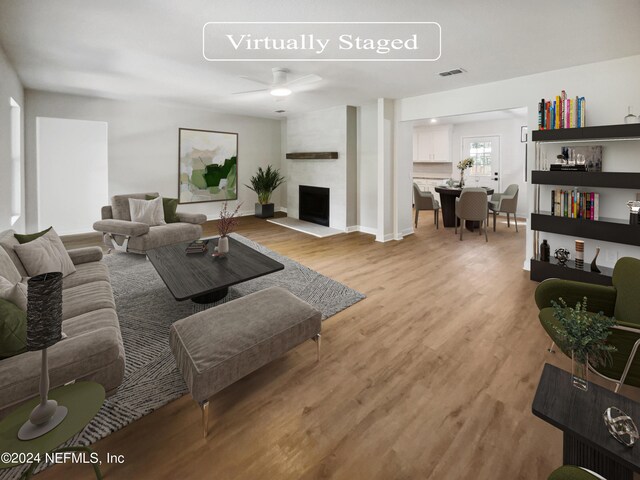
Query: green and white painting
[(208, 166)]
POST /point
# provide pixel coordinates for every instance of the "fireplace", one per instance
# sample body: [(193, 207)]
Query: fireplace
[(314, 204)]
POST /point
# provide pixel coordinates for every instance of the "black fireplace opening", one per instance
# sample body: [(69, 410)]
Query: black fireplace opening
[(314, 204)]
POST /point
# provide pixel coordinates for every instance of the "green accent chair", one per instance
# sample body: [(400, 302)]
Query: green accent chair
[(425, 201), (569, 472), (622, 300)]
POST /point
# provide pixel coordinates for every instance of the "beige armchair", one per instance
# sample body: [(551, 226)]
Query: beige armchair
[(425, 201), (506, 202), (472, 206), (120, 233)]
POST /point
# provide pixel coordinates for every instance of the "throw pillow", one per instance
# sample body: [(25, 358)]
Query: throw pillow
[(147, 211), (45, 254), (169, 205), (14, 293), (13, 330), (29, 237)]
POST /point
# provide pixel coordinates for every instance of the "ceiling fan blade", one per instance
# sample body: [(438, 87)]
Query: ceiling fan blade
[(251, 91), (255, 80), (312, 78)]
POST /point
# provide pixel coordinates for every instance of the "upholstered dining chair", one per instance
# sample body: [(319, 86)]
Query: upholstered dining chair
[(506, 202), (425, 201), (472, 205)]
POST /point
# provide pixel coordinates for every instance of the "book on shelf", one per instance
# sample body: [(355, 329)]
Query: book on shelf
[(563, 167), (575, 204), (562, 112), (198, 246)]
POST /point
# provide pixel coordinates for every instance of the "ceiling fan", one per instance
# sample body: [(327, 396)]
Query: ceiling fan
[(280, 87)]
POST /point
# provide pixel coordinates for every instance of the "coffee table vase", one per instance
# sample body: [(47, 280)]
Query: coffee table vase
[(223, 245), (580, 372)]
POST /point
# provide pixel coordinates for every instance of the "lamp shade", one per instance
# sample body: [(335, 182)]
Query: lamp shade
[(44, 310)]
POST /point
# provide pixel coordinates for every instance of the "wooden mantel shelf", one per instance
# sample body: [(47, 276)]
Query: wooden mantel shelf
[(312, 156)]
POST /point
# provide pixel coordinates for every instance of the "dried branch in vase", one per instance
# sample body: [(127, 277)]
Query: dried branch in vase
[(228, 220)]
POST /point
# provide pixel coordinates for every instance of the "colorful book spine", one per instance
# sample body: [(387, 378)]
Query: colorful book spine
[(596, 207)]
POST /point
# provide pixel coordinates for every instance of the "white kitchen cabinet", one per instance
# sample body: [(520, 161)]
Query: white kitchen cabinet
[(432, 144)]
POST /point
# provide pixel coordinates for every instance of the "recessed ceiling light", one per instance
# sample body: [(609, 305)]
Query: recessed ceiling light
[(434, 120), (280, 92)]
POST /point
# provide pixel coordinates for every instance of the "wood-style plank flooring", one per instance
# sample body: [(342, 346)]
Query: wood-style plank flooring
[(430, 377)]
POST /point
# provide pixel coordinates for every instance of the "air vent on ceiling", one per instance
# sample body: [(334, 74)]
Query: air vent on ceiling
[(455, 71), (280, 111)]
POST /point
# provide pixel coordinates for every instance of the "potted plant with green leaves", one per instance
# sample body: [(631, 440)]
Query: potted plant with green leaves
[(584, 334), (264, 183)]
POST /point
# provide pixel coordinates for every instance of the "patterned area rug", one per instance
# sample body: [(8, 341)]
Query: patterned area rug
[(146, 309)]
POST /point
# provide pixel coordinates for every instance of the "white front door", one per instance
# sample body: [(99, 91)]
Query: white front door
[(485, 152)]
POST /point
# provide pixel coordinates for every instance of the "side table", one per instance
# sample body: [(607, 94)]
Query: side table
[(83, 399), (586, 440)]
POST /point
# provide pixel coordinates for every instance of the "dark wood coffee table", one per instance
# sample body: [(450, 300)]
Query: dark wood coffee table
[(204, 278), (586, 440)]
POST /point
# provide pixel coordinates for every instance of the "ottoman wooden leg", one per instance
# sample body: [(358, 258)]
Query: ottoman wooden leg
[(205, 418), (317, 339)]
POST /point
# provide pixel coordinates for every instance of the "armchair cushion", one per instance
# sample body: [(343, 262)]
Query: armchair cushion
[(599, 297), (169, 205), (85, 255), (28, 237), (120, 204), (195, 218), (121, 227), (626, 278)]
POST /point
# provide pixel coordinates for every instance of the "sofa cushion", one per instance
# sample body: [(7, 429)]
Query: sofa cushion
[(626, 279), (86, 273), (169, 205), (120, 204), (15, 293), (29, 237), (147, 211), (92, 349), (10, 265), (162, 235), (13, 329), (45, 254), (85, 298)]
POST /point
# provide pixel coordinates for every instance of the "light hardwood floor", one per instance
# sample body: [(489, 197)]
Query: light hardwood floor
[(430, 377)]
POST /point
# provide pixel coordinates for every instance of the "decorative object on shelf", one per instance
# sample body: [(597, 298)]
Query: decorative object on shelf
[(630, 117), (585, 335), (228, 221), (44, 329), (208, 166), (545, 251), (462, 166), (579, 255), (584, 158), (562, 256), (594, 267), (563, 112), (634, 210), (264, 183), (621, 426)]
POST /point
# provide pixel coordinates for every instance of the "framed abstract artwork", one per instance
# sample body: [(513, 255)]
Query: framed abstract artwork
[(208, 166)]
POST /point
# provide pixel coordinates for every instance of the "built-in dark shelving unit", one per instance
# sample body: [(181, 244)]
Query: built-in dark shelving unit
[(587, 179), (543, 270), (608, 230)]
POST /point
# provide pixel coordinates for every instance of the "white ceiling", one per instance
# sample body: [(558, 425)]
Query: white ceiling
[(152, 49), (509, 114)]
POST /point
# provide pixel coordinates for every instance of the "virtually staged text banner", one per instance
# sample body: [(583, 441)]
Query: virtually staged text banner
[(322, 41)]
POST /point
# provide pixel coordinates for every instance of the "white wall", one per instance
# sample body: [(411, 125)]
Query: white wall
[(10, 87), (511, 152), (609, 87), (73, 173), (143, 145), (368, 168), (327, 130)]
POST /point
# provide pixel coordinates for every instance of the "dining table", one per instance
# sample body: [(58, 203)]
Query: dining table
[(448, 197)]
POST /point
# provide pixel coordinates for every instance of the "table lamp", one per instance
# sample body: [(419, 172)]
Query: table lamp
[(44, 329)]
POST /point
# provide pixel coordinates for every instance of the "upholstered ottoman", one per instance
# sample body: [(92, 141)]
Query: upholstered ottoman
[(218, 346)]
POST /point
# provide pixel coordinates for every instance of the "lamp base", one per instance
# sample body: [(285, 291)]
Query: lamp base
[(30, 430)]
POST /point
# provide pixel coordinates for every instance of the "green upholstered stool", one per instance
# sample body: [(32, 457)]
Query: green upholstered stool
[(570, 472)]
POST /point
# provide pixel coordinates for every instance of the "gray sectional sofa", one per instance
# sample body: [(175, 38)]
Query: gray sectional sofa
[(121, 233), (93, 349)]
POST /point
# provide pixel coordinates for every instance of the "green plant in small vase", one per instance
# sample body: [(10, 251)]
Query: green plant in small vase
[(584, 334), (264, 183), (462, 166)]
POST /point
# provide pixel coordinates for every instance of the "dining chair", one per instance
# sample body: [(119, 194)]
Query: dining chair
[(472, 205), (425, 201), (506, 202)]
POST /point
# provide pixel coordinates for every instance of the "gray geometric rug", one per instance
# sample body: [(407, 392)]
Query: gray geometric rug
[(146, 309)]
